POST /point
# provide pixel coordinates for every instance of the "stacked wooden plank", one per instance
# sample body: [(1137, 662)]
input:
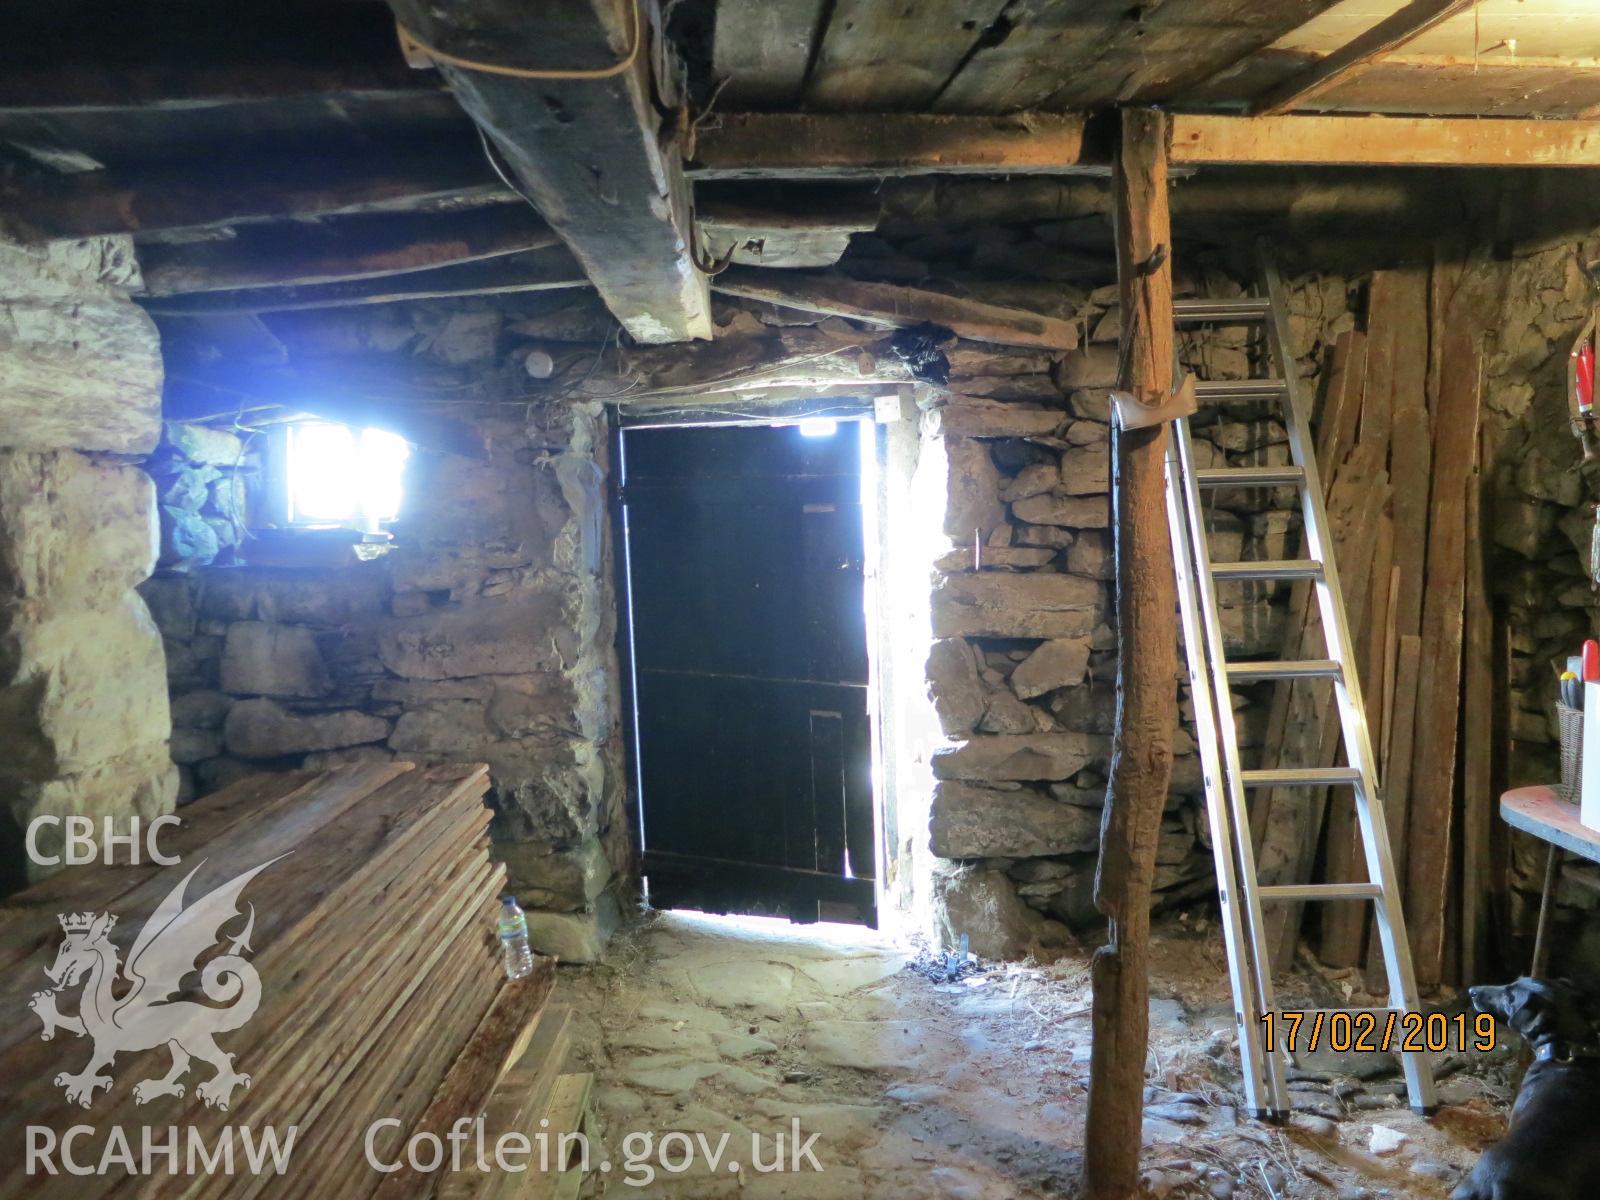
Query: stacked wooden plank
[(371, 931), (1398, 445)]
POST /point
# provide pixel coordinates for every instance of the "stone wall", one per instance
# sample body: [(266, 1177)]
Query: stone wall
[(82, 705), (1022, 666), (1542, 520), (487, 633)]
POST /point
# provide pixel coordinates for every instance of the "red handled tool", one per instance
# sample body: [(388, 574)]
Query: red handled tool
[(1591, 661)]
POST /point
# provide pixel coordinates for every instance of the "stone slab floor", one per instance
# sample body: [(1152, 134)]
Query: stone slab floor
[(700, 1026)]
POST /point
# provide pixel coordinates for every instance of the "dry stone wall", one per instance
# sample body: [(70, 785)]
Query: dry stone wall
[(82, 702), (1021, 672), (486, 634), (1541, 521)]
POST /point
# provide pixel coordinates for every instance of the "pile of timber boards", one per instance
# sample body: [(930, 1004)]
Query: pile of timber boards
[(1398, 449), (369, 926)]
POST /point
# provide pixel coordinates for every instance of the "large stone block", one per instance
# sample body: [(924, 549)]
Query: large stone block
[(524, 632), (984, 906), (1036, 604), (202, 444), (953, 686), (264, 729), (73, 532), (142, 782), (1058, 663), (966, 416), (558, 880), (579, 937), (981, 822), (972, 489), (79, 689), (1019, 757), (1075, 512), (260, 659), (80, 364)]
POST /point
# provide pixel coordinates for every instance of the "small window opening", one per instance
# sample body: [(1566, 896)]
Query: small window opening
[(337, 475)]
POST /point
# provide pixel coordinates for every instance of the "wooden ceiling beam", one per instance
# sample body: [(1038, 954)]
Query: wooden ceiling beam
[(856, 146), (853, 146), (340, 249), (534, 271), (225, 192), (591, 152), (1384, 141), (896, 307), (1394, 31), (171, 86)]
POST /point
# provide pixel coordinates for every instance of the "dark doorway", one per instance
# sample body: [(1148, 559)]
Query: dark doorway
[(744, 557)]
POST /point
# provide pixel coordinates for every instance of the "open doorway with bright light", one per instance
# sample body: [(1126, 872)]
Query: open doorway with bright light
[(746, 555)]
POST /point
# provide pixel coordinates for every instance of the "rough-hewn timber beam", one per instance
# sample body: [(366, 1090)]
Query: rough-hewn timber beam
[(341, 249), (1395, 30), (893, 306), (532, 271), (1147, 706), (102, 202), (854, 146), (76, 88), (589, 151), (1385, 141)]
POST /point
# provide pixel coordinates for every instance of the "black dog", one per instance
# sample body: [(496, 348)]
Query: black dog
[(1552, 1150)]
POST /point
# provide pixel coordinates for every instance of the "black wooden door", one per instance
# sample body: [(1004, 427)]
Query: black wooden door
[(748, 637)]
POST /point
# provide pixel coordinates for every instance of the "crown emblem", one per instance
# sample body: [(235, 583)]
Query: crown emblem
[(81, 922)]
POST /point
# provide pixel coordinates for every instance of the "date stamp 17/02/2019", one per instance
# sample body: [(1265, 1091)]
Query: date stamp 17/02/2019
[(1379, 1031)]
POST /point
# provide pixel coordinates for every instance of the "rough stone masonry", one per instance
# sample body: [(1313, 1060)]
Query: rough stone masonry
[(83, 704)]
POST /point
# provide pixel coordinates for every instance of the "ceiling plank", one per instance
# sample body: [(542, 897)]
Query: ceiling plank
[(853, 146), (588, 151), (93, 203), (897, 307), (762, 48), (1062, 55), (298, 254), (1385, 141), (1394, 31), (532, 271), (895, 57)]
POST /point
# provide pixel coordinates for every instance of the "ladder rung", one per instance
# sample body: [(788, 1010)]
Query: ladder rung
[(1300, 777), (1303, 668), (1290, 568), (1238, 389), (1245, 308), (1210, 477), (1322, 891)]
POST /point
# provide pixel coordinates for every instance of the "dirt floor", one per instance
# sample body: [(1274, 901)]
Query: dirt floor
[(699, 1026)]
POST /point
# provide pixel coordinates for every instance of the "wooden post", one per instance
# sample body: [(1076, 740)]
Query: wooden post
[(1147, 709)]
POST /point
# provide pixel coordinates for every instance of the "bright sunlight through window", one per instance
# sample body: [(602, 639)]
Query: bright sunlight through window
[(340, 475)]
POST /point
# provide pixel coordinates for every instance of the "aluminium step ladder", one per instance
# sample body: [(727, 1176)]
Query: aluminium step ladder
[(1210, 674)]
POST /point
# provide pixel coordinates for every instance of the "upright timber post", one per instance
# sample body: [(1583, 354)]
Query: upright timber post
[(1147, 709)]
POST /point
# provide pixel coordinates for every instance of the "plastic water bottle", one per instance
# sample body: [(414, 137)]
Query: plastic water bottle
[(515, 951)]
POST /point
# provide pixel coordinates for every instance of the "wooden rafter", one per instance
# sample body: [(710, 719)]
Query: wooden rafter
[(589, 151), (845, 146), (1394, 31), (1385, 141), (263, 188), (342, 249), (853, 146)]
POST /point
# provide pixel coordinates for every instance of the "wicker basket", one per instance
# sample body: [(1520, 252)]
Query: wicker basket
[(1571, 721)]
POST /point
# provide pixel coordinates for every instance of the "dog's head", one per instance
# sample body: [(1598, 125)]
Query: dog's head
[(1538, 1009)]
